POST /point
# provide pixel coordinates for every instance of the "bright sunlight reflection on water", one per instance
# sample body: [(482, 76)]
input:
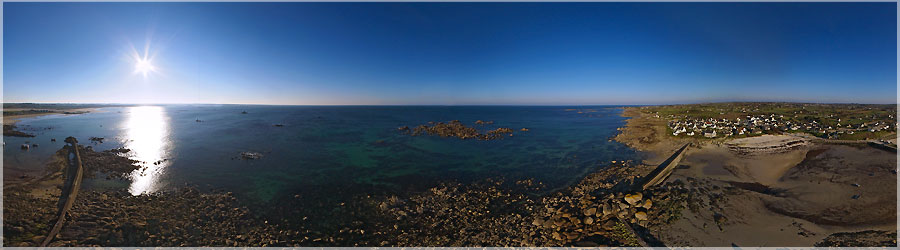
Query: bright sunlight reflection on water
[(147, 135)]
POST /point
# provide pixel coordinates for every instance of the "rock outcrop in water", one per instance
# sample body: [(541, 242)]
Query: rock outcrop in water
[(251, 155), (107, 162), (456, 129), (10, 130)]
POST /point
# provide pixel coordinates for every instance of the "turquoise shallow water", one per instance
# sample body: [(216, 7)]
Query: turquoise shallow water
[(325, 147)]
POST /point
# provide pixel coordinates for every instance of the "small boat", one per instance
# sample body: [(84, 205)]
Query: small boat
[(26, 146)]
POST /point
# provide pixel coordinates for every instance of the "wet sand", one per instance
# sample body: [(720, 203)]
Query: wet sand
[(791, 192)]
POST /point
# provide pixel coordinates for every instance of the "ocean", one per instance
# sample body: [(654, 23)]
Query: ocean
[(334, 151)]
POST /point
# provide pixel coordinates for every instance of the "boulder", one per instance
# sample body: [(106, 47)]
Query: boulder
[(590, 211), (640, 215), (623, 206), (720, 219), (633, 199), (647, 204), (538, 222), (589, 220)]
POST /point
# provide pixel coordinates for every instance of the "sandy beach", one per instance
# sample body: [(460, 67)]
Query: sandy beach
[(13, 119), (791, 191)]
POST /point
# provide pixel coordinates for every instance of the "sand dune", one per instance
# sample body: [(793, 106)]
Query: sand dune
[(784, 190)]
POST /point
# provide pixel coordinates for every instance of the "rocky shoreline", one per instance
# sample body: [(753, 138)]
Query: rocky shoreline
[(605, 208), (602, 209)]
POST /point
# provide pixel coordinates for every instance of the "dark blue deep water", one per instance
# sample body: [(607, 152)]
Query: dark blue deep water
[(329, 147)]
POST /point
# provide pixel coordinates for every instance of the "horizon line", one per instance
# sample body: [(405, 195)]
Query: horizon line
[(272, 104)]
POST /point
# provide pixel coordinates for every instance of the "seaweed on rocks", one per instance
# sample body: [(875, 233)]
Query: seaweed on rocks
[(869, 238), (493, 213), (456, 129), (10, 130), (107, 162), (26, 218), (182, 217)]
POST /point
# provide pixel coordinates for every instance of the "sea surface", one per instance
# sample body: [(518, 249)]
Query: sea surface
[(345, 149)]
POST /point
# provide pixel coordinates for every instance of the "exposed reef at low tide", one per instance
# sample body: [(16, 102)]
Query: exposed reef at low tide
[(457, 129)]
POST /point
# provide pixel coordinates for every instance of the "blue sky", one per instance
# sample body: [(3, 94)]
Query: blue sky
[(450, 53)]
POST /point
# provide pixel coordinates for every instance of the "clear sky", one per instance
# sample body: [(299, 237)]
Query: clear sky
[(449, 53)]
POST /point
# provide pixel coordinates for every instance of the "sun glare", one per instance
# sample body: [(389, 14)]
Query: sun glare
[(143, 66), (143, 62)]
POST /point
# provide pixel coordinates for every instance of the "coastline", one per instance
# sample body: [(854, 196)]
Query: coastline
[(13, 119), (724, 192), (788, 195)]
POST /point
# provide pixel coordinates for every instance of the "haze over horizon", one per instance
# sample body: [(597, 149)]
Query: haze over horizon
[(449, 53)]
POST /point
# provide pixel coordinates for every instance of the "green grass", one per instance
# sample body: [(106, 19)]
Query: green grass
[(622, 234), (862, 135), (824, 114)]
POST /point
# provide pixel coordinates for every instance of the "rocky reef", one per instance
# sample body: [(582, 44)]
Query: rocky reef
[(108, 162), (10, 130), (456, 129)]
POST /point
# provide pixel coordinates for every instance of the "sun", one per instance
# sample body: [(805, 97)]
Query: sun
[(143, 66), (143, 61)]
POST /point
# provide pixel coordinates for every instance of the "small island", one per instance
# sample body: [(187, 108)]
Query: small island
[(456, 129)]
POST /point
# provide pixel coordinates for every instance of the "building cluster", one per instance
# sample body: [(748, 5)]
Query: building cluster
[(760, 124)]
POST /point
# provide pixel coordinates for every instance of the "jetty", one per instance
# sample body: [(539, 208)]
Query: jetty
[(655, 177), (74, 173), (664, 169)]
